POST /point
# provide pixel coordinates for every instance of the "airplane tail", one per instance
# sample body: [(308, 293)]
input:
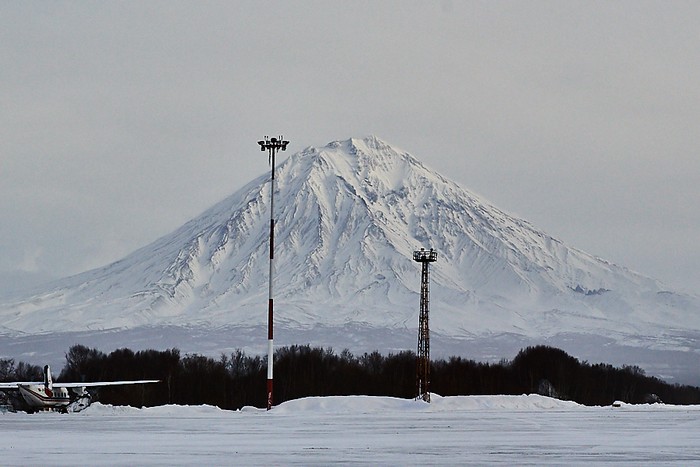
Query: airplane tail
[(48, 382)]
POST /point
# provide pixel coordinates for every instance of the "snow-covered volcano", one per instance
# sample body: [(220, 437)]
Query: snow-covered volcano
[(349, 216)]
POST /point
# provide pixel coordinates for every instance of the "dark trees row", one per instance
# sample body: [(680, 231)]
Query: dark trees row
[(20, 372), (237, 380), (552, 372)]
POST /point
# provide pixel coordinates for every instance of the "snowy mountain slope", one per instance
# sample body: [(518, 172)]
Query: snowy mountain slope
[(349, 215)]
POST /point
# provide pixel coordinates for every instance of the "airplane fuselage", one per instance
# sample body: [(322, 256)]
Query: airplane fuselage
[(41, 397)]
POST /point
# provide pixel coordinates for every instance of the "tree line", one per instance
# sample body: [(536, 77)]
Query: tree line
[(237, 380)]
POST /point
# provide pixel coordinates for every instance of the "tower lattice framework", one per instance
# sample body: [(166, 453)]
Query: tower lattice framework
[(423, 355)]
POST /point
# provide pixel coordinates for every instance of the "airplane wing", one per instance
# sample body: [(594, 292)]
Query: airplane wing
[(15, 384), (102, 383)]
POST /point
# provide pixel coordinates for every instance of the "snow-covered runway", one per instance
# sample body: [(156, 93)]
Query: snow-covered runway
[(480, 430)]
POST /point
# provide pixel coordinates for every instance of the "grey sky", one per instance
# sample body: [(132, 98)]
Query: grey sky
[(120, 121)]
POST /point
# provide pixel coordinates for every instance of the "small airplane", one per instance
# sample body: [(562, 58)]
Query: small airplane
[(64, 397)]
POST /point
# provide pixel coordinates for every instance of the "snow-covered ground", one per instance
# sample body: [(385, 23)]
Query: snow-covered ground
[(476, 430)]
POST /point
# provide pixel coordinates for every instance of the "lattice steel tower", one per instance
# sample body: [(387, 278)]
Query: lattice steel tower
[(423, 357)]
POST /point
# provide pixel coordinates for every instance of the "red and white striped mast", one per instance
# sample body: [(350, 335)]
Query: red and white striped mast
[(271, 145)]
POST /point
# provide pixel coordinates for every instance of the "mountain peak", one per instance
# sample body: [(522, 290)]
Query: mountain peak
[(368, 144)]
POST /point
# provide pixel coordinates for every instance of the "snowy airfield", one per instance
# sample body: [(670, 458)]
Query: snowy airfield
[(469, 430)]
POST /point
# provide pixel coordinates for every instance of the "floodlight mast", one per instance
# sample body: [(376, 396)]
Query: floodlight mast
[(271, 145), (423, 357)]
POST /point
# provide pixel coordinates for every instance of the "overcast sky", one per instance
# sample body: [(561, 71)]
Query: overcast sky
[(120, 121)]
